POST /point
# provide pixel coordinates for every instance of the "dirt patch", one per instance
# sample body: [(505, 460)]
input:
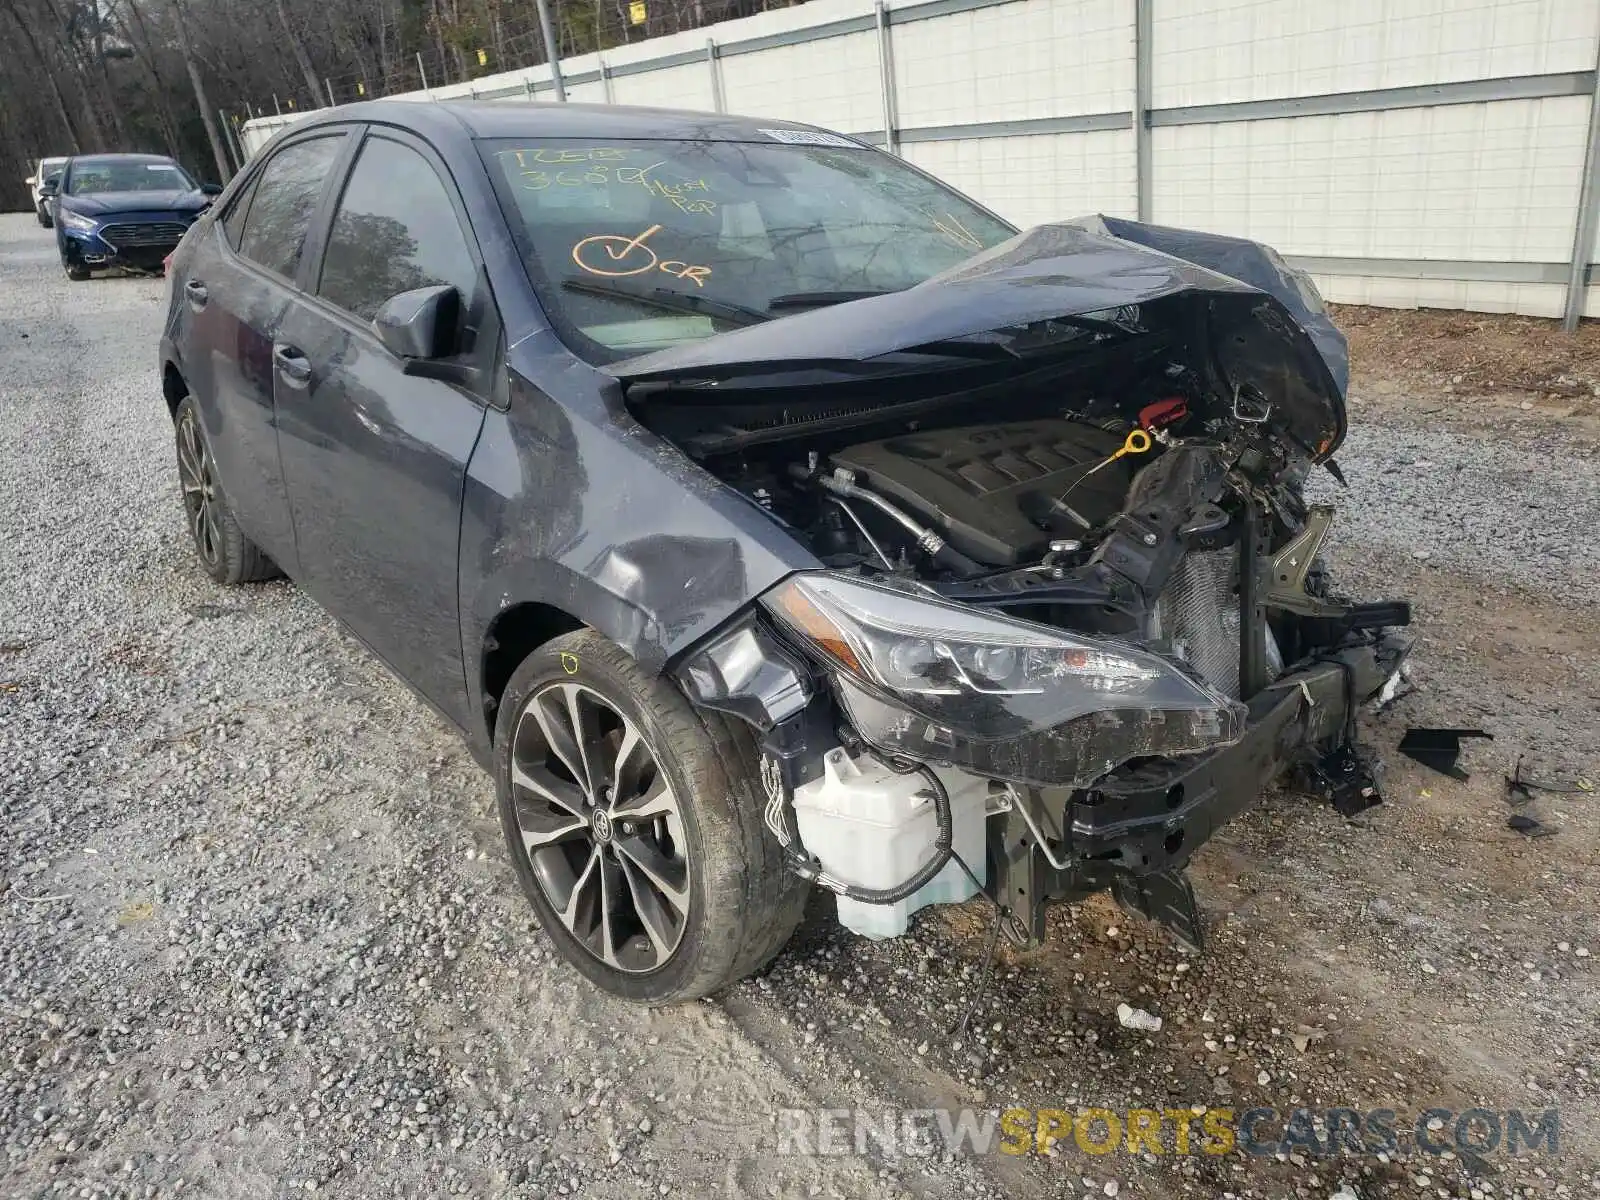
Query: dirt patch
[(1480, 364)]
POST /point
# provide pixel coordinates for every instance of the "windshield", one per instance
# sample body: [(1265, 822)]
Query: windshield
[(50, 166), (638, 246), (92, 178)]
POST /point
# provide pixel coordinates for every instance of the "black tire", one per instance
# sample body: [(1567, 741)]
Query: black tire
[(76, 273), (43, 214), (742, 903), (221, 546)]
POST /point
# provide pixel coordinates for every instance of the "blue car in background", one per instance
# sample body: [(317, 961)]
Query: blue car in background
[(124, 210)]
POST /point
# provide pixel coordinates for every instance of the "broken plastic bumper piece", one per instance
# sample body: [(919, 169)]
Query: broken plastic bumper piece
[(1135, 830)]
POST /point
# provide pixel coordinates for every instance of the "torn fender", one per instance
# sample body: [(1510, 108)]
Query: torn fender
[(569, 503)]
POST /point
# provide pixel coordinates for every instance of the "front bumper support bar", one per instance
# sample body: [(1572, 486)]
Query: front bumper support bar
[(1135, 830)]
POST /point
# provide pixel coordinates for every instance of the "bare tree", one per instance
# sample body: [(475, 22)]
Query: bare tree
[(202, 101), (87, 75)]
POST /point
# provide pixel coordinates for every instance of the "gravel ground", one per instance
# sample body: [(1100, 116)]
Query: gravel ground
[(259, 938), (1512, 511)]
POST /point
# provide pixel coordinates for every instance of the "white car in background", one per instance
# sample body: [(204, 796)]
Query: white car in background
[(46, 168)]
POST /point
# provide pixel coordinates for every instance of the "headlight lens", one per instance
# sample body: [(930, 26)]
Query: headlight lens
[(68, 219), (949, 683)]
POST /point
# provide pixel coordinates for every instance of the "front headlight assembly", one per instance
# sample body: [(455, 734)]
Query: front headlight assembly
[(77, 222), (947, 683)]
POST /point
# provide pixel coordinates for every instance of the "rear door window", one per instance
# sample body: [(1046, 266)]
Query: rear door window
[(285, 200), (395, 229), (233, 219)]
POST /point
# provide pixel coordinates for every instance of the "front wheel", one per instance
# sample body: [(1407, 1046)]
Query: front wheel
[(43, 214), (634, 825)]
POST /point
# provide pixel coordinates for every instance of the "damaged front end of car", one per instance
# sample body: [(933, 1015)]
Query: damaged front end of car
[(1072, 614)]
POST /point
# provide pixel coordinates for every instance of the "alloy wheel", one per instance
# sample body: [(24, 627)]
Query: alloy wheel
[(197, 474), (601, 827)]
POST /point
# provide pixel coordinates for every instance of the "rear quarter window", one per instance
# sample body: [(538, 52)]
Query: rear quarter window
[(233, 218)]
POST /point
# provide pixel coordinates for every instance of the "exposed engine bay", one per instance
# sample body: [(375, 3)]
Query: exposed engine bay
[(1186, 537), (998, 494), (1116, 519), (1073, 609)]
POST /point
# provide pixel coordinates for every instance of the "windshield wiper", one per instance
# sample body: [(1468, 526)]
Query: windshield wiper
[(659, 297), (822, 299)]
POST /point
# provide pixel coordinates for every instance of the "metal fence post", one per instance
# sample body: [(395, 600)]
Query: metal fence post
[(606, 87), (1143, 93), (332, 103), (715, 67), (891, 114), (423, 71), (230, 135), (552, 50), (1585, 218)]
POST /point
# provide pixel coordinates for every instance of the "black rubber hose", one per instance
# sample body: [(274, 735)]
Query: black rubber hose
[(945, 555), (954, 561)]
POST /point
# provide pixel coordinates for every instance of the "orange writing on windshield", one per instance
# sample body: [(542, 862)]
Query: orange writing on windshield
[(615, 255)]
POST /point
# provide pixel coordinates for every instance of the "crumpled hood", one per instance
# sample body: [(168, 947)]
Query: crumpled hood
[(1268, 330), (126, 202)]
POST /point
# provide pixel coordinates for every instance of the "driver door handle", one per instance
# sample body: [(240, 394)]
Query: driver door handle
[(294, 366), (195, 292)]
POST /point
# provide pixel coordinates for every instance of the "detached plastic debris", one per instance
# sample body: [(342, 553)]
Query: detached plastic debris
[(1350, 779), (1520, 789), (1439, 748), (1531, 826), (1398, 687), (1137, 1018)]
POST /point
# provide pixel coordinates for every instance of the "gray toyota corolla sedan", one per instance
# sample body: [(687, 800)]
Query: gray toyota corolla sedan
[(768, 515)]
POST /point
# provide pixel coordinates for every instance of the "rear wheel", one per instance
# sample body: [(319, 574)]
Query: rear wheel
[(224, 551), (634, 826)]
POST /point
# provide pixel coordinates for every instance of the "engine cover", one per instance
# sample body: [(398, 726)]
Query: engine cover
[(990, 490)]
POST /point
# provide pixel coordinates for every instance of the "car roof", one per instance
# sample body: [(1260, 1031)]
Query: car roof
[(522, 118), (112, 159)]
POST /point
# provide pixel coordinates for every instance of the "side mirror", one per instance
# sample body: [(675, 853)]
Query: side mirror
[(50, 186), (211, 189), (420, 324)]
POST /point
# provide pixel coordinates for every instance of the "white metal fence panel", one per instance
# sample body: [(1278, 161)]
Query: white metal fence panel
[(1406, 152), (1225, 51), (834, 82), (1013, 62), (1034, 178), (675, 87), (1493, 182)]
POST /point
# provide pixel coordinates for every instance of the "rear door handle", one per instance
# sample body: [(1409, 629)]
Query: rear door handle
[(195, 292), (294, 366)]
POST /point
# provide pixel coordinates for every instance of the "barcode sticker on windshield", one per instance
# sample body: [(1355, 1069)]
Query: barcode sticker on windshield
[(810, 137)]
